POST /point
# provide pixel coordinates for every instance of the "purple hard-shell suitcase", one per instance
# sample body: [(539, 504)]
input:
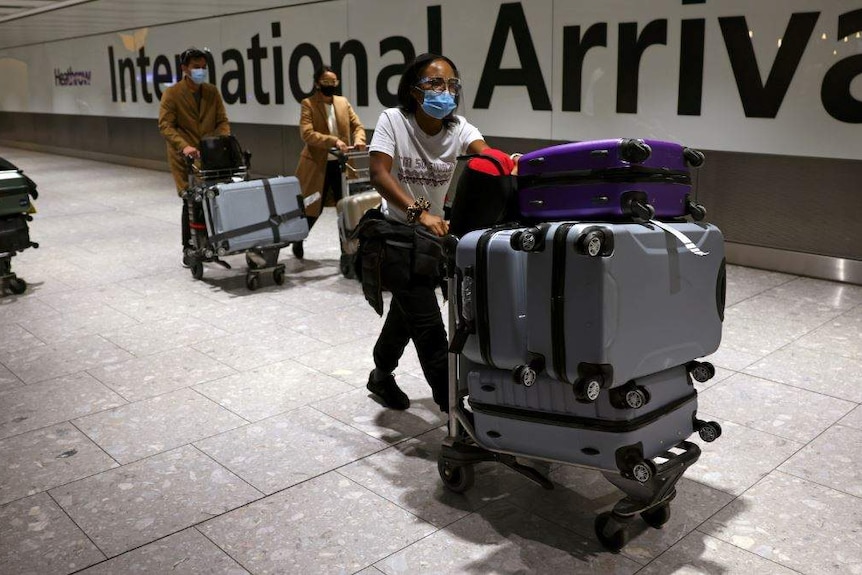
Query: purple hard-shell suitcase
[(601, 179)]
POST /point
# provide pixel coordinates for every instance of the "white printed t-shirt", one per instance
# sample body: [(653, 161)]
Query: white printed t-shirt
[(423, 165)]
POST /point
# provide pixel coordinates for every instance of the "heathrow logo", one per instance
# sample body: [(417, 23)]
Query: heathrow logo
[(72, 77)]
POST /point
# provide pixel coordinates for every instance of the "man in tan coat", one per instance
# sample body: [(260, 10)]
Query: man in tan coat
[(190, 110), (327, 121)]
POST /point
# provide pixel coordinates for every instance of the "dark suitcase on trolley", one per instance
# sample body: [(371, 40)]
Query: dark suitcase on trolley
[(14, 234), (601, 179), (256, 213), (16, 189), (547, 421), (491, 303), (608, 303)]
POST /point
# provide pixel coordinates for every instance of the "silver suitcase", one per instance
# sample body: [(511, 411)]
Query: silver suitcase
[(491, 298), (607, 303), (253, 214), (548, 422)]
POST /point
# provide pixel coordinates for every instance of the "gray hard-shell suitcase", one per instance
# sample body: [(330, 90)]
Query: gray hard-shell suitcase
[(607, 303), (255, 213), (546, 421), (492, 298)]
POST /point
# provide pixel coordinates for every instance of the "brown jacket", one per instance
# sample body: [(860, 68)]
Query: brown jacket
[(183, 124), (314, 130)]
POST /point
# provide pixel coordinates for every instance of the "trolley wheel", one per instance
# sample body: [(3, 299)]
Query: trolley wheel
[(709, 431), (197, 269), (587, 389), (702, 372), (612, 534), (525, 375), (636, 398), (456, 478), (697, 211), (643, 471), (657, 516), (17, 286), (252, 281), (346, 266), (278, 276), (593, 244)]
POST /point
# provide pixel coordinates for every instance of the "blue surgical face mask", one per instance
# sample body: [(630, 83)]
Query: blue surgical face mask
[(438, 104), (198, 75)]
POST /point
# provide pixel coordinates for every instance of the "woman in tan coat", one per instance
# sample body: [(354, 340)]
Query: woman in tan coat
[(328, 121), (190, 110)]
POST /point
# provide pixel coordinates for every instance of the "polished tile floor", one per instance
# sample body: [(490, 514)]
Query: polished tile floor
[(150, 423)]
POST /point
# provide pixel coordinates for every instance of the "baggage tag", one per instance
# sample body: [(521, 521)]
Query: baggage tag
[(311, 199), (683, 239)]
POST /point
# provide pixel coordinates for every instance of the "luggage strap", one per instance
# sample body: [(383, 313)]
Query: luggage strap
[(683, 239), (275, 220)]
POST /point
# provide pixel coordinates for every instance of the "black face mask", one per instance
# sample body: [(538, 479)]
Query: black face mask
[(327, 91)]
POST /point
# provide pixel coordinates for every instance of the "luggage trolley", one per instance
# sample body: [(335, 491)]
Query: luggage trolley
[(649, 485), (206, 245), (16, 191), (358, 196)]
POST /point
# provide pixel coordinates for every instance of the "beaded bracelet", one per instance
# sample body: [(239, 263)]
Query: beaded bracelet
[(419, 206)]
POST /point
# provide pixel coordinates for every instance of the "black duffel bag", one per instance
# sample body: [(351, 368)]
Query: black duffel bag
[(220, 153), (392, 254)]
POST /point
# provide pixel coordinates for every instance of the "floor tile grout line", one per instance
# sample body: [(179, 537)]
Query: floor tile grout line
[(47, 489), (220, 548), (809, 480), (791, 385), (102, 449), (75, 523), (263, 494)]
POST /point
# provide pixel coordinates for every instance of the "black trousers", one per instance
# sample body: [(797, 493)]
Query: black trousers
[(415, 314), (331, 184)]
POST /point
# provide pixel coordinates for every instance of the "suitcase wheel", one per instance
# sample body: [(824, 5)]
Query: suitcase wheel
[(525, 375), (526, 240), (457, 478), (197, 269), (278, 276), (642, 472), (701, 371), (635, 151), (611, 532), (637, 398), (708, 431), (587, 389), (642, 212), (696, 211), (657, 516), (346, 266), (592, 243), (695, 158)]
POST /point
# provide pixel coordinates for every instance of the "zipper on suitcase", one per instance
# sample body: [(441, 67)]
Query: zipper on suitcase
[(558, 301)]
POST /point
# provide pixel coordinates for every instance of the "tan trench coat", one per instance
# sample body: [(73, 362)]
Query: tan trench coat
[(314, 130), (182, 124)]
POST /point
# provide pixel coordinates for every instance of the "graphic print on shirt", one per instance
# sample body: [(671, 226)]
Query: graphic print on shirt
[(418, 171)]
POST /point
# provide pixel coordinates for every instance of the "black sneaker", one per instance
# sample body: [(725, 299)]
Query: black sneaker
[(388, 391), (298, 250)]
